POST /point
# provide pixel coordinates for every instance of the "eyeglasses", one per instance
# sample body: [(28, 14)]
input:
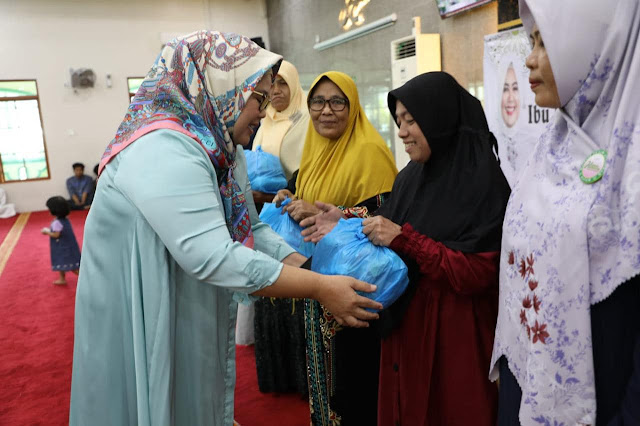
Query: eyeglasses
[(264, 100), (336, 104)]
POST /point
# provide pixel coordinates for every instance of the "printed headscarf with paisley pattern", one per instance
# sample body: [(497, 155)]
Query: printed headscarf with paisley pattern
[(198, 86)]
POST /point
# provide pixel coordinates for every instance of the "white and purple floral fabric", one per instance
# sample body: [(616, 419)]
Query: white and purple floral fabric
[(567, 244)]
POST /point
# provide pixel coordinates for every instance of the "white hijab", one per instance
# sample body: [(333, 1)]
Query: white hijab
[(568, 245), (283, 133), (6, 209), (511, 62)]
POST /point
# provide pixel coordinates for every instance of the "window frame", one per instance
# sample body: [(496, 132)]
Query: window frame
[(44, 139), (131, 95)]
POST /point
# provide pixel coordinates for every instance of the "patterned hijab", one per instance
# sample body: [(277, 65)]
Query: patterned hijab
[(567, 244), (282, 133), (355, 167), (198, 86)]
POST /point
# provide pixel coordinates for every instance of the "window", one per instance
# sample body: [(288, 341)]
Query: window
[(374, 102), (23, 155), (133, 83)]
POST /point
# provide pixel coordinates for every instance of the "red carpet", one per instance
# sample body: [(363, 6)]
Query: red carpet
[(257, 409), (5, 226), (36, 331), (36, 342)]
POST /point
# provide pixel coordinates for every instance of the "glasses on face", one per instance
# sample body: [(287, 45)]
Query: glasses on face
[(336, 104), (264, 100)]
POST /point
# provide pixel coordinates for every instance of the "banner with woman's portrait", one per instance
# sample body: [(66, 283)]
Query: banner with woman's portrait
[(514, 118)]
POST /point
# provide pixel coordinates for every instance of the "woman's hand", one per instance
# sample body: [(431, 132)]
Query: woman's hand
[(281, 196), (381, 231), (261, 197), (321, 224), (300, 209), (338, 295)]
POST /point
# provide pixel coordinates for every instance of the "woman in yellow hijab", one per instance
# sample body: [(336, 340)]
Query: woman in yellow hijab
[(345, 162)]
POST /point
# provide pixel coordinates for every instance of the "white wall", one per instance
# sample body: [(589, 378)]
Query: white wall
[(42, 39), (246, 17)]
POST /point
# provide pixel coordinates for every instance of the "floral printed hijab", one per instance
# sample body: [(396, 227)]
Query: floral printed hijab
[(198, 86), (568, 244)]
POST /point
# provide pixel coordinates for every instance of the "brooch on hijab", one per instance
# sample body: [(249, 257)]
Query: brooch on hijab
[(593, 167)]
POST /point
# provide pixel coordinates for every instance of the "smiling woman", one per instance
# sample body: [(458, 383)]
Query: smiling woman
[(510, 103), (173, 242), (415, 142), (345, 162), (444, 217), (447, 229), (329, 109)]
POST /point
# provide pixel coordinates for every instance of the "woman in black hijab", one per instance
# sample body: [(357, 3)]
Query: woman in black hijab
[(444, 218)]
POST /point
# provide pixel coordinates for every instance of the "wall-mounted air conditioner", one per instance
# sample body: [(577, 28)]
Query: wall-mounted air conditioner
[(82, 78), (411, 56)]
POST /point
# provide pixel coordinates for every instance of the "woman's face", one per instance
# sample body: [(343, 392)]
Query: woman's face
[(327, 122), (250, 116), (541, 78), (510, 106), (280, 94), (415, 142)]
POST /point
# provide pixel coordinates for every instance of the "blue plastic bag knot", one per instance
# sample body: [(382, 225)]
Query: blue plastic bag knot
[(286, 227), (346, 250)]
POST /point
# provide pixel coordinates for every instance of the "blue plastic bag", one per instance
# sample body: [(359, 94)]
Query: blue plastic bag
[(346, 250), (265, 171), (286, 227)]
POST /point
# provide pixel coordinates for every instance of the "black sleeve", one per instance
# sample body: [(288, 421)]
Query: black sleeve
[(615, 329), (291, 185), (630, 410), (372, 204), (307, 264)]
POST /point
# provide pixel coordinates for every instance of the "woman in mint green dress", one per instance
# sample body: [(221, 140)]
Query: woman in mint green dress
[(173, 241)]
